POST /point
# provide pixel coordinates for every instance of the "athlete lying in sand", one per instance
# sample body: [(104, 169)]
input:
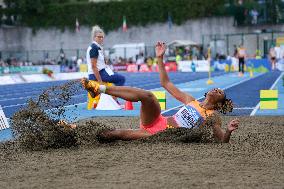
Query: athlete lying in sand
[(192, 115)]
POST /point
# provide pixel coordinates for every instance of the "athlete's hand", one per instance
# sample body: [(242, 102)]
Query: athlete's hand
[(160, 49), (233, 125)]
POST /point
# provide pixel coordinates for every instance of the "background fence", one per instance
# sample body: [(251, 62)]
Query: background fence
[(225, 44), (39, 56)]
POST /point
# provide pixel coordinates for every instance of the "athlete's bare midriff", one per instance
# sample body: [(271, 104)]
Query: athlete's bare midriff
[(171, 122)]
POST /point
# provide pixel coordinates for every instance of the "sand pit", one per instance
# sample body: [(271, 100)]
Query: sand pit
[(46, 155), (254, 160)]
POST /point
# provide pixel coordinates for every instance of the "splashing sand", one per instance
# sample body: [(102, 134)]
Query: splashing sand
[(35, 128)]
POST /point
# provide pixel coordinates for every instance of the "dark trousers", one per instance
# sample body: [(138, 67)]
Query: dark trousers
[(242, 65), (116, 78)]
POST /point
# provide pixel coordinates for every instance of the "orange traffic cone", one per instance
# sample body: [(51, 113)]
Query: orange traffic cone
[(95, 105), (128, 105)]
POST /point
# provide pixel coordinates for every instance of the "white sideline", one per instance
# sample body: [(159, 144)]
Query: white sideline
[(272, 87)]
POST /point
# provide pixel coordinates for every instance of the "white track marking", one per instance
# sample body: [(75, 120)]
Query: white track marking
[(244, 108)]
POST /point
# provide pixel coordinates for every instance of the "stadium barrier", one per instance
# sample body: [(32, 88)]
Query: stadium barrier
[(29, 69), (232, 65), (169, 66), (193, 66), (120, 67), (132, 68)]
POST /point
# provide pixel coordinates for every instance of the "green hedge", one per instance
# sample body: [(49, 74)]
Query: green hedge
[(109, 14)]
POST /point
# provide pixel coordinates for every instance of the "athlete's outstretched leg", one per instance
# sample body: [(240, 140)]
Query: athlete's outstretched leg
[(124, 134), (150, 107)]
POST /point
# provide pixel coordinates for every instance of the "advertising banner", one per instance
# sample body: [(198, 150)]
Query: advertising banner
[(132, 68), (119, 67), (29, 69), (193, 66), (256, 65)]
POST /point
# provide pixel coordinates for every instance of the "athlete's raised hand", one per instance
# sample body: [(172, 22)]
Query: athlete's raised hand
[(233, 125), (160, 49)]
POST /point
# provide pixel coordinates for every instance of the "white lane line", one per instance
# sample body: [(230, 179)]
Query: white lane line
[(13, 94), (272, 87), (15, 105), (227, 87), (244, 108), (18, 98)]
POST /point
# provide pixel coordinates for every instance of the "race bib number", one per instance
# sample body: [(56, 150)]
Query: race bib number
[(188, 117)]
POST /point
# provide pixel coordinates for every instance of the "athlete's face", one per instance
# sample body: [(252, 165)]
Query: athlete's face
[(99, 38), (216, 95)]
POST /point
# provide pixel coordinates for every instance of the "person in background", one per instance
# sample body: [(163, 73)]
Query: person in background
[(254, 15), (257, 54), (235, 51), (186, 53), (62, 55), (178, 57), (278, 52), (97, 67), (241, 57), (272, 57), (140, 60), (79, 62)]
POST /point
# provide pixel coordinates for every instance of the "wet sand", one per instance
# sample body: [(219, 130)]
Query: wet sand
[(254, 160)]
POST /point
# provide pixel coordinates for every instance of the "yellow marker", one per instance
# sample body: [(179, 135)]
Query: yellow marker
[(92, 101), (250, 72), (268, 99), (161, 96)]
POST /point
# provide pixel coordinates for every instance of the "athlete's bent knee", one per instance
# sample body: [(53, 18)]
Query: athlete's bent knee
[(149, 96)]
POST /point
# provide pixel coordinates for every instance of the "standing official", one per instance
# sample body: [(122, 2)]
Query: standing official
[(241, 56)]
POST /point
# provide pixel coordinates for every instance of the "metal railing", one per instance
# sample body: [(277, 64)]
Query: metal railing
[(55, 56), (260, 40)]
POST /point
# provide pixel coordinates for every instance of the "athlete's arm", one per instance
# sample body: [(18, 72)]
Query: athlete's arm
[(95, 69), (219, 133), (164, 78)]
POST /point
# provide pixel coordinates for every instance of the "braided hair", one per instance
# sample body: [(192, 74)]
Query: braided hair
[(225, 106)]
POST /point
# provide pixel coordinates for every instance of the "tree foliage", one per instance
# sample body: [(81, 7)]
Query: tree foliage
[(63, 13)]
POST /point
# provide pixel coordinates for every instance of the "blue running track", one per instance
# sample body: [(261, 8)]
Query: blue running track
[(14, 97)]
